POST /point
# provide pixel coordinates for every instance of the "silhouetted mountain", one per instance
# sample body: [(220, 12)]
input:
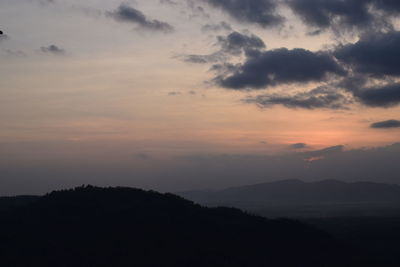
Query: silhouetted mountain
[(289, 197), (91, 226), (377, 237), (14, 202)]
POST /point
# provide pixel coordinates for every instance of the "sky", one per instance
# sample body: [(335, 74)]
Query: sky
[(190, 94)]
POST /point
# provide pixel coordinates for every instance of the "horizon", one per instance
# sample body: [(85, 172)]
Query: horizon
[(203, 189)]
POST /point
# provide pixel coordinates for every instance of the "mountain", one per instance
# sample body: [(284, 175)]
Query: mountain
[(298, 198), (14, 202), (91, 226)]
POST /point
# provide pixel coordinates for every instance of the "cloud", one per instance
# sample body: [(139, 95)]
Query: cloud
[(339, 15), (222, 26), (375, 63), (368, 67), (260, 12), (203, 59), (280, 66), (346, 15), (233, 44), (390, 6), (52, 49), (298, 146), (321, 97), (329, 151), (128, 14), (314, 33), (383, 96), (375, 54), (386, 124)]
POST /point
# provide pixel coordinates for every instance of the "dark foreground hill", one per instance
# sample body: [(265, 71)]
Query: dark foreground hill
[(295, 198), (114, 227), (14, 202)]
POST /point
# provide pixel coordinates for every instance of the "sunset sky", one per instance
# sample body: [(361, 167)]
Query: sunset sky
[(185, 94)]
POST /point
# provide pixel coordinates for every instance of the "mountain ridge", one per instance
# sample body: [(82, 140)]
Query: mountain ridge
[(92, 226), (296, 198)]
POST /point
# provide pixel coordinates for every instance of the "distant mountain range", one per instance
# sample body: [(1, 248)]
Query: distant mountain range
[(102, 227), (295, 197)]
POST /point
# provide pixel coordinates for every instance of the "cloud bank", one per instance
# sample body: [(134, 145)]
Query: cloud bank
[(128, 14), (260, 12), (386, 124)]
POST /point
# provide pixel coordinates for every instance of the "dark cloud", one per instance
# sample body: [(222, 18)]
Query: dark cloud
[(52, 49), (323, 13), (386, 124), (339, 15), (374, 58), (384, 96), (390, 6), (298, 146), (260, 12), (204, 59), (126, 13), (346, 15), (352, 82), (318, 98), (375, 54), (234, 44), (314, 33), (325, 152), (280, 66), (196, 9), (222, 26)]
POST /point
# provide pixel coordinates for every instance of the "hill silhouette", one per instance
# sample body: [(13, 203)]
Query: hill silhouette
[(291, 198), (14, 202), (91, 226), (289, 191)]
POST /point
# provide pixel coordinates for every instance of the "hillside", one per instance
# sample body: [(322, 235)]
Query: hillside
[(14, 202), (91, 226)]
